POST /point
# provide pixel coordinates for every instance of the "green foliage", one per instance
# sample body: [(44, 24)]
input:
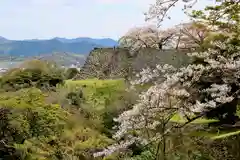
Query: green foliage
[(71, 73), (28, 117), (103, 99), (146, 155), (38, 130), (79, 143), (32, 73), (75, 98), (225, 16), (96, 92), (88, 128)]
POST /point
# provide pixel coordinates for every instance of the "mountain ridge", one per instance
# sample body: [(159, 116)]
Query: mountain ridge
[(35, 47)]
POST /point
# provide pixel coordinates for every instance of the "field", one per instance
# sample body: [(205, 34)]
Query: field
[(97, 92)]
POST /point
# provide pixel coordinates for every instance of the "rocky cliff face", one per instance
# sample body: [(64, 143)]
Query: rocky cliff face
[(120, 63)]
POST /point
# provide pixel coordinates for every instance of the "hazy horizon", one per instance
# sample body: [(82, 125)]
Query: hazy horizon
[(58, 37), (44, 19)]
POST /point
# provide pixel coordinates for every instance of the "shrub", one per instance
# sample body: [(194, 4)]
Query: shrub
[(75, 98), (39, 77), (71, 73)]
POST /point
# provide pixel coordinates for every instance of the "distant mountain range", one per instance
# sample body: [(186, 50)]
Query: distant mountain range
[(35, 47)]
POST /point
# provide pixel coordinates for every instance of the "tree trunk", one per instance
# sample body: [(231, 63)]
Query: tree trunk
[(178, 41), (161, 147), (160, 46)]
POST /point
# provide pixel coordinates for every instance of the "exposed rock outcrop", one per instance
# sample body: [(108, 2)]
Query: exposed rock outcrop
[(105, 63)]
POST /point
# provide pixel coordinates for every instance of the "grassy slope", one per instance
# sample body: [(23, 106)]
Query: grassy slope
[(96, 91)]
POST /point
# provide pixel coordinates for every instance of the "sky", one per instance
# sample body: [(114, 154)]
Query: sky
[(45, 19)]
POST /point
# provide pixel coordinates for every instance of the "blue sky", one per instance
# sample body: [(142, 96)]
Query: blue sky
[(43, 19)]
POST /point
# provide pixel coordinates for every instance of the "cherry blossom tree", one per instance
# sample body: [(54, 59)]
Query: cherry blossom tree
[(160, 9), (146, 37), (191, 35), (183, 36), (208, 88)]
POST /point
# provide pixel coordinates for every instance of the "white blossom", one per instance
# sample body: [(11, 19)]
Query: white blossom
[(180, 91)]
